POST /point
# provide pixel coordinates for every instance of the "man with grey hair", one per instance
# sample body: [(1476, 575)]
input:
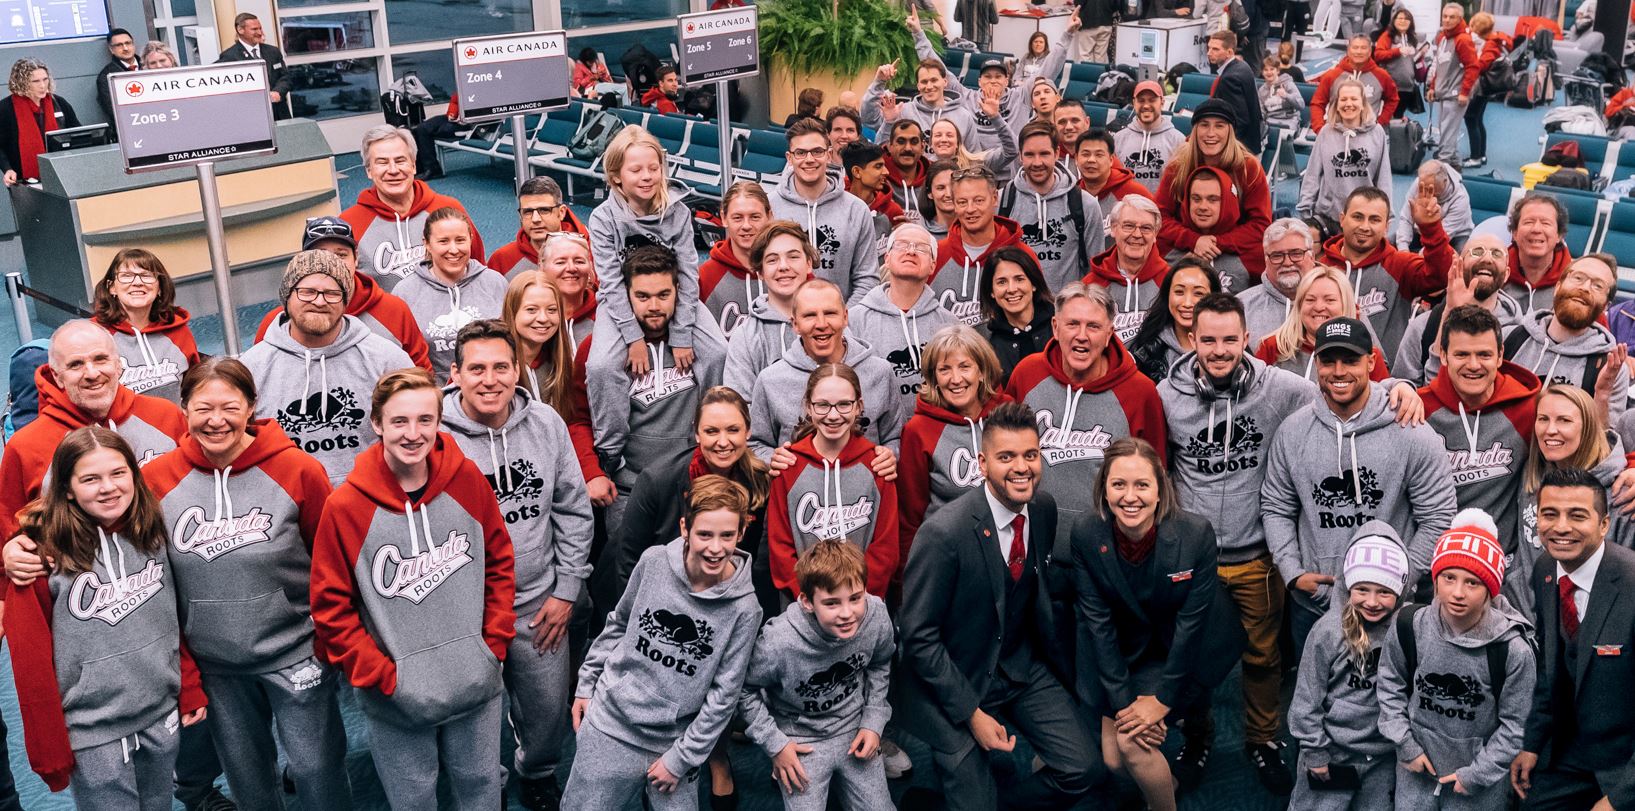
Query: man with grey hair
[(1454, 68), (390, 216), (1486, 269), (1289, 247), (1445, 184), (316, 368), (1086, 392), (1132, 268)]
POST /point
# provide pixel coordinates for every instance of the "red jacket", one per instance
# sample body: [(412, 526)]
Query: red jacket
[(579, 427), (720, 263), (1622, 101), (1389, 97), (1464, 52), (371, 302), (1385, 49), (1120, 181), (1494, 48), (1245, 238), (881, 552), (509, 254), (1231, 213), (655, 98)]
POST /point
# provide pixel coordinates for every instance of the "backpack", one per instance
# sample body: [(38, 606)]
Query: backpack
[(1075, 212), (1500, 77), (1537, 86), (699, 101), (23, 401), (641, 69), (1172, 77), (1115, 87), (594, 135), (1518, 336), (1498, 653)]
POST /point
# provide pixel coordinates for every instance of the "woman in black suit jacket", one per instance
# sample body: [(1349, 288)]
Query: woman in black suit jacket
[(30, 112), (1155, 632)]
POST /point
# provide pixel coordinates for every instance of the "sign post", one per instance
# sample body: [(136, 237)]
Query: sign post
[(512, 76), (720, 46), (196, 116)]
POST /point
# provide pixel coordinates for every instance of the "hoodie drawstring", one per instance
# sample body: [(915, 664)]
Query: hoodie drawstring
[(224, 499), (425, 523), (1544, 349), (831, 510), (306, 383), (910, 322), (142, 344), (1472, 428), (129, 743), (1044, 222), (1339, 459), (1209, 432), (1130, 297), (453, 298), (1069, 412), (502, 473), (811, 220), (976, 434)]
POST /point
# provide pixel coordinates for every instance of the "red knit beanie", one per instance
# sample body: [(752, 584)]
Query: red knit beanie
[(1471, 543)]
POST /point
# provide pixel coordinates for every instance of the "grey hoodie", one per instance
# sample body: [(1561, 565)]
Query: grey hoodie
[(1452, 716), (1325, 478), (1567, 362), (840, 225), (775, 407), (806, 685), (666, 672), (441, 309), (1218, 445), (899, 336), (1048, 227), (615, 229), (1282, 110), (531, 465), (320, 397), (1264, 308), (1343, 160), (1418, 366), (758, 342), (1146, 152), (1334, 714), (1457, 220)]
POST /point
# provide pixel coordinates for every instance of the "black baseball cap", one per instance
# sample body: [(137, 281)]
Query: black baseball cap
[(995, 64), (1348, 334), (319, 229)]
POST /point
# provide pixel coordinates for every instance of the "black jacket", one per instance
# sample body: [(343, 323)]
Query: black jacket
[(1012, 344), (1187, 620), (1236, 87), (278, 74), (11, 158), (104, 99), (1099, 13), (1582, 713), (949, 638)]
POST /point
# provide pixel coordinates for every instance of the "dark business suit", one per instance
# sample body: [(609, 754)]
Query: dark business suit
[(278, 74), (104, 99), (1582, 725), (1186, 620), (1236, 85), (952, 662)]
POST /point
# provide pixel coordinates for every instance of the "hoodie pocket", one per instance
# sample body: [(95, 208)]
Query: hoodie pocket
[(1448, 753), (123, 686), (532, 566), (242, 633), (641, 704), (445, 681)]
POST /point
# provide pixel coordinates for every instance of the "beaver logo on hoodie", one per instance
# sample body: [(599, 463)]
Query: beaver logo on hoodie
[(415, 578), (820, 688), (90, 598), (1350, 488), (1436, 688), (1147, 165), (827, 245), (333, 411), (1226, 445), (210, 539), (690, 636), (1046, 243)]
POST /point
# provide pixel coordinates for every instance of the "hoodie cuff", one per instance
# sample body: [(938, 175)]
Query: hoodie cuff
[(1315, 758), (875, 720), (1290, 573), (1409, 749), (672, 762), (568, 588), (773, 744)]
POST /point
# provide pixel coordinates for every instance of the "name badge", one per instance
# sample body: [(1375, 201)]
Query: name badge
[(1609, 650), (1179, 577)]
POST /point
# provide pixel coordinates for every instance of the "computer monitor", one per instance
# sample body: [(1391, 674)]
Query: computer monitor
[(76, 137)]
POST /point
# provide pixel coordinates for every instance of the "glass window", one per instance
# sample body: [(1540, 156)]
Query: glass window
[(613, 46), (183, 8), (435, 69), (324, 33), (283, 4), (335, 89), (588, 13), (430, 21)]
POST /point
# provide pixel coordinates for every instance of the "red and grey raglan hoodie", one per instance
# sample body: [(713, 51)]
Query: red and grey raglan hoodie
[(242, 575), (1242, 237), (1453, 64), (391, 245), (1132, 295), (905, 189), (728, 288), (153, 359), (957, 281), (412, 600), (152, 427), (1379, 89), (816, 499), (1120, 182), (1541, 296), (1075, 429), (887, 206), (97, 656), (1487, 447), (1237, 272), (1388, 280), (937, 463), (520, 254), (383, 313)]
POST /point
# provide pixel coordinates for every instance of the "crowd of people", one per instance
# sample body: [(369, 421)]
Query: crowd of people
[(968, 352)]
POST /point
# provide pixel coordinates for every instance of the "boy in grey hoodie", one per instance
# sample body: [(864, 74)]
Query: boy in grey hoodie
[(1455, 708), (1566, 344), (661, 683), (784, 257), (1334, 715), (522, 447), (837, 221), (898, 332), (815, 696)]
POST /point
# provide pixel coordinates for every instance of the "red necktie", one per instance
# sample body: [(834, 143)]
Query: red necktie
[(1569, 609), (1019, 549)]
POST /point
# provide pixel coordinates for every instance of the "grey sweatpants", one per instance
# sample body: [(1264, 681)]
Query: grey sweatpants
[(1378, 785), (538, 685), (134, 773), (467, 749), (609, 774), (1417, 792), (1450, 121), (861, 784), (301, 700)]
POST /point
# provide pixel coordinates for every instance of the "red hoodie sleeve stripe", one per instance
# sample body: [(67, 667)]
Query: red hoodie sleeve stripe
[(34, 671), (1419, 275), (1390, 97), (919, 441), (303, 478), (882, 557), (579, 428), (192, 697), (1466, 51), (499, 575), (1384, 50), (342, 640), (780, 537)]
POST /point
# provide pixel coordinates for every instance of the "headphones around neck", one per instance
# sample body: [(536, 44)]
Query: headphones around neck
[(1243, 376)]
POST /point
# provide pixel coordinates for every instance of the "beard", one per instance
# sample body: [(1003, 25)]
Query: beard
[(1575, 311), (1484, 286)]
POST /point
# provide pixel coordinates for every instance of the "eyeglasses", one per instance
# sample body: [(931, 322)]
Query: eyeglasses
[(1579, 278), (804, 154), (844, 408), (1135, 228), (539, 211), (973, 173), (135, 277), (568, 235), (309, 295), (1287, 257), (1495, 253), (914, 247)]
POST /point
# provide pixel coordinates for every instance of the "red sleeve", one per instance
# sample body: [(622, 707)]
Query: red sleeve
[(780, 537), (1147, 419), (192, 698), (314, 486), (1255, 200), (709, 275), (914, 471), (342, 639), (1171, 231), (1267, 351), (183, 339), (499, 573), (883, 555), (34, 671), (1418, 275), (1465, 50), (266, 322), (579, 428), (1388, 92), (1382, 370), (1384, 50), (1620, 101), (17, 483), (1319, 99), (395, 314), (359, 217)]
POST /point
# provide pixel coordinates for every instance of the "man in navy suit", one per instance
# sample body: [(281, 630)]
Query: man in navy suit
[(1578, 751), (121, 58), (967, 671), (252, 44)]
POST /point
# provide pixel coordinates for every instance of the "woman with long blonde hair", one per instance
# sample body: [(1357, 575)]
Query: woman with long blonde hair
[(1323, 294), (533, 312), (947, 143)]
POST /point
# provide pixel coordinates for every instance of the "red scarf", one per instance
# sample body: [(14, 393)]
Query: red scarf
[(1136, 552), (30, 138)]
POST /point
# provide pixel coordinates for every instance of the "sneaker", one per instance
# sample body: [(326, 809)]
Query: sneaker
[(541, 794), (1267, 758), (214, 801), (1474, 163), (1188, 767), (896, 761)]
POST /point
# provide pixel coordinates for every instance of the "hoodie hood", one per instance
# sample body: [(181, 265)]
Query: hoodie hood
[(374, 479), (1376, 414), (912, 181), (832, 189), (55, 405), (1006, 233), (425, 272), (1542, 356), (1559, 260), (456, 420), (1120, 367), (1231, 209), (857, 450), (735, 586), (761, 309), (672, 219), (857, 350), (1515, 384), (1502, 622), (879, 300), (353, 332), (1117, 176), (1459, 30), (721, 252), (525, 246), (943, 415), (422, 200), (1104, 267), (178, 320), (1333, 256), (268, 440)]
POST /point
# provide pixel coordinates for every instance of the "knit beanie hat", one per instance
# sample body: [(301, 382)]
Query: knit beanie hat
[(1471, 543), (1378, 560), (307, 263)]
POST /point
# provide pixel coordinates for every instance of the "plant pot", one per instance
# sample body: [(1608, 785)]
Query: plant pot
[(783, 87)]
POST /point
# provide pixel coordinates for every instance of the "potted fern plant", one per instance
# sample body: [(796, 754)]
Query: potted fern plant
[(833, 45)]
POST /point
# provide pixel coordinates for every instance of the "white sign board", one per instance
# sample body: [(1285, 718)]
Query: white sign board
[(513, 74), (183, 116), (719, 45)]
